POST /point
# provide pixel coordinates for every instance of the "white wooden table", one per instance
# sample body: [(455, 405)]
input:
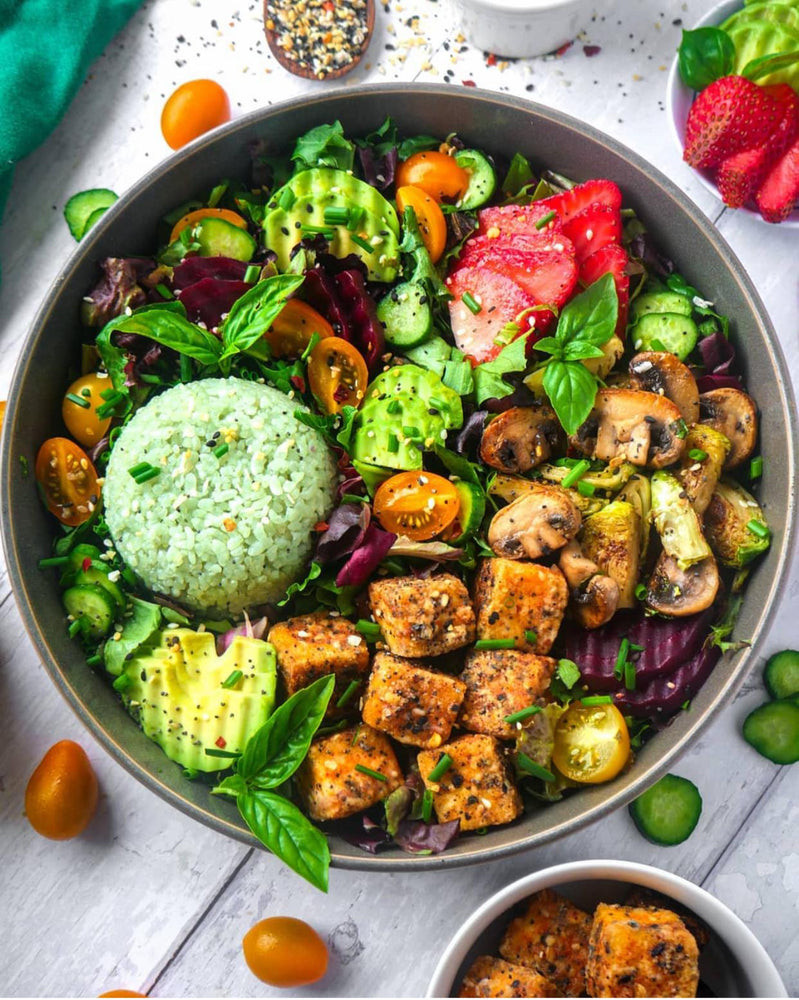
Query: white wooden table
[(150, 900)]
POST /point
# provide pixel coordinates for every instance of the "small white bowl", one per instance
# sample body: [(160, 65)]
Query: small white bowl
[(733, 964), (679, 99), (519, 28)]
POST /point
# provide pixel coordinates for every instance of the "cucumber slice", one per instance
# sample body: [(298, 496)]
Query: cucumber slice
[(665, 331), (85, 208), (218, 238), (662, 302), (482, 178), (773, 730), (472, 510), (406, 314), (99, 578), (93, 606), (782, 674), (667, 813)]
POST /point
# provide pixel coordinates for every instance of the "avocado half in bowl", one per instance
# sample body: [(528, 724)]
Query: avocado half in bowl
[(500, 125)]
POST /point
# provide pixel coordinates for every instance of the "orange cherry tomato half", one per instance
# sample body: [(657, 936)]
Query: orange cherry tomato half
[(62, 793), (68, 480), (432, 224), (291, 332), (193, 109), (81, 419), (337, 374), (419, 505), (285, 952), (436, 173), (192, 218), (123, 993)]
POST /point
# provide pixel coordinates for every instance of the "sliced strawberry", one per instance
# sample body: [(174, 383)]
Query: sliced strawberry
[(570, 203), (516, 220), (479, 247), (779, 193), (593, 228), (501, 300), (610, 259), (741, 174), (730, 115), (550, 276)]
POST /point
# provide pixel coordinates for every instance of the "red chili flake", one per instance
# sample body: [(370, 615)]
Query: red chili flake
[(468, 83), (492, 59), (563, 49), (592, 50), (321, 526), (329, 7), (221, 742), (341, 394), (298, 382), (86, 565)]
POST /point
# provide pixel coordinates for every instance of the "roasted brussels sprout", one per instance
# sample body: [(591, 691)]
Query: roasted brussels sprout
[(735, 525)]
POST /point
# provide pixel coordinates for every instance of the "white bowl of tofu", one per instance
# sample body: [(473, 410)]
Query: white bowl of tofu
[(604, 929)]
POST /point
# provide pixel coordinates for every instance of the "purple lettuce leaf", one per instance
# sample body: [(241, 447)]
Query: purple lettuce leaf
[(642, 247), (118, 289), (363, 832), (397, 806), (210, 299), (378, 171), (707, 383), (415, 836), (718, 354), (194, 269), (142, 354), (346, 528), (367, 330), (365, 559), (467, 441)]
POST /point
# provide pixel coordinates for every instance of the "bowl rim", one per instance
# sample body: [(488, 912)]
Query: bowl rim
[(736, 935), (397, 861), (522, 8), (675, 88)]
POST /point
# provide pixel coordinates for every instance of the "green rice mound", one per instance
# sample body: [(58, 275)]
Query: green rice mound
[(218, 533)]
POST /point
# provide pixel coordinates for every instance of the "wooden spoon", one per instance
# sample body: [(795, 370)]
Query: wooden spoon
[(308, 47)]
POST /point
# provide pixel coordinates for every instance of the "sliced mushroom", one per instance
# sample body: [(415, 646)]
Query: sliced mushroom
[(535, 525), (733, 413), (595, 596), (676, 592), (665, 375), (521, 438), (630, 424)]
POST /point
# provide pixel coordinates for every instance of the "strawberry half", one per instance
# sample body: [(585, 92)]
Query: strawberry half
[(610, 259), (779, 193), (730, 115), (593, 228), (570, 203), (741, 175), (516, 220), (501, 300)]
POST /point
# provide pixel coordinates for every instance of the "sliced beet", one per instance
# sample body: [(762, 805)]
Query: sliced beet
[(193, 269), (367, 330), (663, 696), (209, 299), (668, 643)]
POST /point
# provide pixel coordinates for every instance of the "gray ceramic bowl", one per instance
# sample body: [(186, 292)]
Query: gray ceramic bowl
[(497, 123)]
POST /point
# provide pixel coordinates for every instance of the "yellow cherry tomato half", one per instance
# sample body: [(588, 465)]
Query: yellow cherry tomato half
[(192, 218), (436, 173), (285, 952), (291, 332), (62, 793), (193, 109), (79, 408), (432, 224), (337, 374), (419, 505), (68, 480), (592, 743)]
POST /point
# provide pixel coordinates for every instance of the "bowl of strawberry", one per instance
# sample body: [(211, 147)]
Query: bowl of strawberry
[(733, 101)]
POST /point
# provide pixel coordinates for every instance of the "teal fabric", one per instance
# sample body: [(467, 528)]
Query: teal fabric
[(46, 47)]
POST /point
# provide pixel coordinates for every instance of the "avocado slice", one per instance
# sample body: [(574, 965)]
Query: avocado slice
[(336, 188), (175, 692), (140, 625)]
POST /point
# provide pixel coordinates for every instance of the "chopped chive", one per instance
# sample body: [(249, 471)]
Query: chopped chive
[(356, 215), (756, 467), (682, 429), (321, 230), (336, 215), (140, 467), (697, 455), (286, 198), (641, 592), (758, 528), (411, 432), (252, 273), (436, 403), (213, 752), (635, 648), (94, 661), (685, 705), (352, 498), (427, 805), (121, 683), (75, 627), (444, 764), (471, 303), (596, 699), (232, 679), (53, 561), (86, 391), (586, 489), (395, 406), (621, 658), (369, 630), (78, 400), (163, 291), (352, 687), (530, 635), (565, 463), (495, 644), (315, 338), (523, 713), (629, 676), (221, 449), (355, 735), (148, 474), (545, 220), (536, 770), (329, 730), (372, 774), (362, 243), (576, 473), (393, 443), (185, 368), (658, 345)]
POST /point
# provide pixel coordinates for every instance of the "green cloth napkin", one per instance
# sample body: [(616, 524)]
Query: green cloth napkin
[(46, 47)]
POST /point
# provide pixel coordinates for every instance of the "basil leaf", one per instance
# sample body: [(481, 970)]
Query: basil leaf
[(290, 836), (519, 175), (576, 350), (458, 466), (324, 146), (382, 140), (756, 69), (549, 345), (705, 54), (169, 328), (252, 315), (278, 748), (591, 315), (488, 380), (416, 144), (572, 390), (234, 785)]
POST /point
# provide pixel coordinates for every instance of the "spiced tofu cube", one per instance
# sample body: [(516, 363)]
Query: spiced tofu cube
[(493, 977), (641, 896), (523, 601), (334, 780), (421, 618), (551, 936), (410, 702), (313, 646), (477, 787), (641, 952), (500, 682)]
